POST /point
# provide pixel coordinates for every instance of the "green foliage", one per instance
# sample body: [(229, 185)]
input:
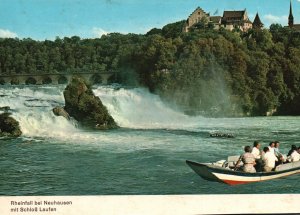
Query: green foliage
[(154, 31), (85, 107), (207, 71), (173, 30)]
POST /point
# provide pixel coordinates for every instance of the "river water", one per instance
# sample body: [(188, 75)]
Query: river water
[(145, 156)]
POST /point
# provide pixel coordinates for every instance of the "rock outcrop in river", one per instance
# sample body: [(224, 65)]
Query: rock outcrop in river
[(9, 127), (60, 111), (85, 107)]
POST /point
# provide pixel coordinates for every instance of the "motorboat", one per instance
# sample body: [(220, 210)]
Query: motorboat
[(224, 171)]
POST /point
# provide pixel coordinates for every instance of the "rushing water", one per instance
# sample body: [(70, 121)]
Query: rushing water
[(146, 156)]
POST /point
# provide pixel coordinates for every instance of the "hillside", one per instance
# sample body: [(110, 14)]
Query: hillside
[(208, 72)]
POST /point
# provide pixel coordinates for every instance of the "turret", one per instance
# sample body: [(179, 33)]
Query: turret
[(291, 17), (257, 24)]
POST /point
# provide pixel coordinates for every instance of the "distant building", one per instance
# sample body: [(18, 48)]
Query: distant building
[(216, 21), (199, 15), (291, 19), (230, 20), (257, 24), (236, 20)]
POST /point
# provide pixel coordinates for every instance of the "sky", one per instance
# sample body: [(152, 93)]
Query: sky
[(47, 19)]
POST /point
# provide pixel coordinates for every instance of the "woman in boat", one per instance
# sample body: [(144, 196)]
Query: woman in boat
[(293, 155), (248, 160), (293, 147)]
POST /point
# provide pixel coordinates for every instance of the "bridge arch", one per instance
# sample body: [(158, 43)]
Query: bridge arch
[(96, 79), (14, 81), (30, 80), (62, 79), (113, 78), (47, 80)]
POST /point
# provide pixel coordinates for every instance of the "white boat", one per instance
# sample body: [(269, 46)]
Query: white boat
[(223, 171)]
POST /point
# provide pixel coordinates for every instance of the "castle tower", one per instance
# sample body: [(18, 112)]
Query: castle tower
[(257, 24), (291, 17)]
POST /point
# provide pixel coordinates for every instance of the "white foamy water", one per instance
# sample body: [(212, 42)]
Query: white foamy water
[(32, 107), (137, 108), (133, 108)]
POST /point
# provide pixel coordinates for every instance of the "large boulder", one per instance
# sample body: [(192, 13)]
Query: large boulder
[(9, 127), (85, 107)]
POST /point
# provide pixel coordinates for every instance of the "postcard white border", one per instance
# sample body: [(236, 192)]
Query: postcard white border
[(158, 204)]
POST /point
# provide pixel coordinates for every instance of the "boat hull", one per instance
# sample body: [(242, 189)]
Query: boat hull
[(214, 173)]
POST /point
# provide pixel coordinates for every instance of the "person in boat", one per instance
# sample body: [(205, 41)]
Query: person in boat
[(257, 155), (248, 160), (293, 155), (278, 154), (272, 147), (291, 150), (269, 160), (276, 148)]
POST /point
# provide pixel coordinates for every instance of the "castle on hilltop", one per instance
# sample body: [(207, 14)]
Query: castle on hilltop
[(230, 20)]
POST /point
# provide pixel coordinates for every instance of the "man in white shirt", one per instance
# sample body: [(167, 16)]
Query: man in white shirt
[(255, 150), (271, 147), (257, 155), (269, 159)]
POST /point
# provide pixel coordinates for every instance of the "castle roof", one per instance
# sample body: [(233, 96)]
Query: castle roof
[(199, 9), (215, 19), (257, 22), (239, 14), (296, 27)]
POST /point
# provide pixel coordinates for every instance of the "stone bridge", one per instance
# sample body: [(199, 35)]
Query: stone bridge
[(55, 78)]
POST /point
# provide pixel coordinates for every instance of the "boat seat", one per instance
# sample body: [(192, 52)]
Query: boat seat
[(287, 166)]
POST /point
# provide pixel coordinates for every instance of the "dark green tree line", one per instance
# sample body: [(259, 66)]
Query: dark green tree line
[(206, 71)]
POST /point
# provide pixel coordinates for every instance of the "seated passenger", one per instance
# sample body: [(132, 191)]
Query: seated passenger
[(276, 149), (293, 154), (257, 155), (291, 150), (272, 147), (278, 154), (255, 150), (248, 160), (269, 159)]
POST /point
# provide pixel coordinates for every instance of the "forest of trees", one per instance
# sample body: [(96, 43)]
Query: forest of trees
[(206, 71)]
